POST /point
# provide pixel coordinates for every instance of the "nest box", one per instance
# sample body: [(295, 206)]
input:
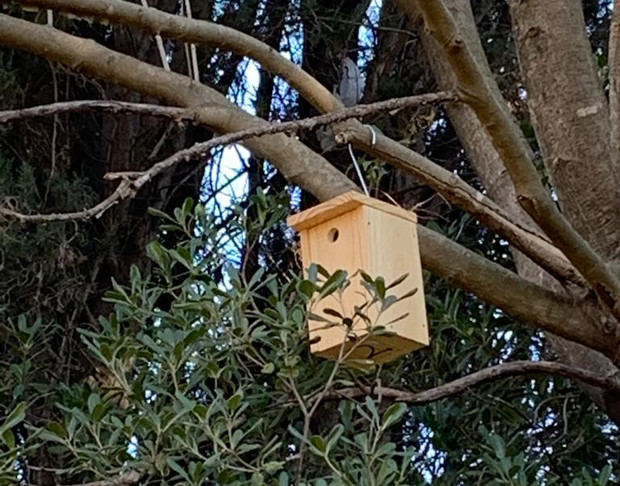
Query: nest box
[(353, 232)]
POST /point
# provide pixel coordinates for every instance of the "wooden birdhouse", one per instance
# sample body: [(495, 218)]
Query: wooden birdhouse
[(356, 233)]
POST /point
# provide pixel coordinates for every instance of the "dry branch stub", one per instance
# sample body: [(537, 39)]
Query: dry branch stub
[(358, 234)]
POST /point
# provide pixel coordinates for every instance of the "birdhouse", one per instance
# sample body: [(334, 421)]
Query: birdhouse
[(358, 234)]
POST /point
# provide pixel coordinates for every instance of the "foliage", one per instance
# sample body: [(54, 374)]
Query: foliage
[(202, 380), (196, 370)]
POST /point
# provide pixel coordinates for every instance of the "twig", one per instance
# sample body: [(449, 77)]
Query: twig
[(459, 385), (133, 181), (177, 114)]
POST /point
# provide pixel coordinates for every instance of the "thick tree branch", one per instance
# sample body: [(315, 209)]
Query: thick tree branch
[(614, 90), (199, 32), (447, 184), (570, 116), (301, 166), (457, 191), (490, 169), (516, 155), (211, 108), (516, 368), (521, 298)]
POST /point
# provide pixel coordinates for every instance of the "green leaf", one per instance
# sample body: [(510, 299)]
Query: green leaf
[(159, 214), (393, 414), (257, 479), (306, 287), (334, 435), (273, 467), (158, 254), (333, 312), (15, 417), (319, 444), (8, 438), (398, 281), (411, 293), (175, 466), (268, 368), (93, 401), (380, 286), (188, 204), (372, 408), (333, 283), (235, 401), (283, 479), (604, 476)]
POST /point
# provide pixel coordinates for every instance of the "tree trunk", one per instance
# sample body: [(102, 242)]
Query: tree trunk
[(494, 176)]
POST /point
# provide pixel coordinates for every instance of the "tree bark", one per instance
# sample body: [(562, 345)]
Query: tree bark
[(489, 166), (571, 117)]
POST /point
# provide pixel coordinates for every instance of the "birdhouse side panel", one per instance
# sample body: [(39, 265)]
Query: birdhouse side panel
[(337, 244), (394, 252)]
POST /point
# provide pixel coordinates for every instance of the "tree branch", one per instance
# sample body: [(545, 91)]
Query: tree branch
[(489, 167), (175, 113), (155, 21), (447, 184), (134, 180), (301, 166), (570, 116), (200, 32), (188, 114), (516, 368), (614, 89), (443, 181), (524, 299), (516, 155), (457, 191)]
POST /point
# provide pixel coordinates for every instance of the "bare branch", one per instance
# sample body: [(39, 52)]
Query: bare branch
[(134, 180), (508, 139), (175, 113), (516, 368), (124, 190), (187, 114), (441, 180), (446, 183)]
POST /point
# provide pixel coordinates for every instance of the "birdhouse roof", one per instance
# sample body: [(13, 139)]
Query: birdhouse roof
[(343, 204)]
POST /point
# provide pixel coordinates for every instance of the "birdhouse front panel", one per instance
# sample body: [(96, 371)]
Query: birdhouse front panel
[(337, 244), (357, 233)]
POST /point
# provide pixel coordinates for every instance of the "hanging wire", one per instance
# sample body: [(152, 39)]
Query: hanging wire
[(358, 170), (373, 134)]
